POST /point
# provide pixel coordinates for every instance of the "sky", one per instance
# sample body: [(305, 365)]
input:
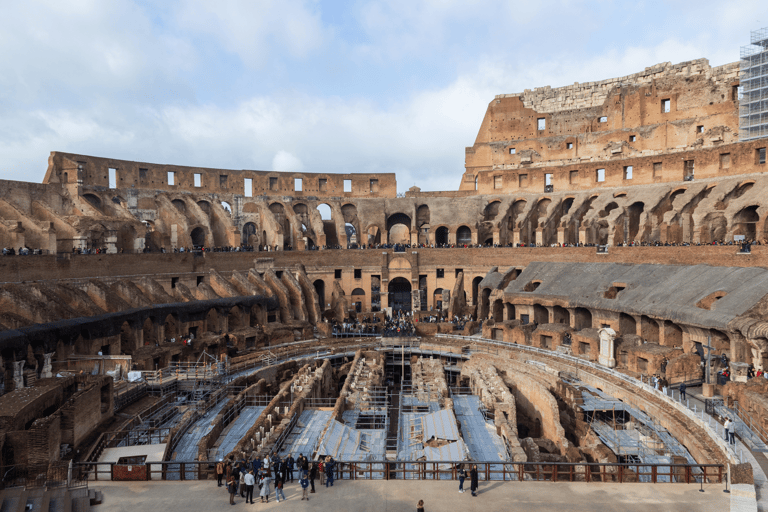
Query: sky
[(396, 86)]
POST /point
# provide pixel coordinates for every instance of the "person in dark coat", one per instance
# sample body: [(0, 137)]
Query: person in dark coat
[(312, 476), (473, 479), (682, 391), (289, 462)]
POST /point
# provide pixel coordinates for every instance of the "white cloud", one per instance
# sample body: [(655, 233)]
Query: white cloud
[(286, 162)]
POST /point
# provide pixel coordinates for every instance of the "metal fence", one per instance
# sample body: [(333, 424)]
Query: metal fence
[(448, 470), (38, 476)]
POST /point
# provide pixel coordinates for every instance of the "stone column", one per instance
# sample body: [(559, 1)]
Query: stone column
[(18, 375), (607, 349), (47, 372)]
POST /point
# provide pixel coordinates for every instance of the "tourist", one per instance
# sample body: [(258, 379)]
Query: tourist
[(231, 488), (304, 482), (727, 427), (290, 463), (279, 481), (219, 472), (265, 479), (473, 480), (462, 477), (682, 391), (329, 471), (241, 486), (313, 476), (250, 480), (321, 471), (420, 506)]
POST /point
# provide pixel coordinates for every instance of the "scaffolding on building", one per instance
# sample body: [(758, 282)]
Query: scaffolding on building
[(753, 103)]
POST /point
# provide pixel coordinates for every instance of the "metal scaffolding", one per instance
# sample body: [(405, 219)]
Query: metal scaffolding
[(753, 104)]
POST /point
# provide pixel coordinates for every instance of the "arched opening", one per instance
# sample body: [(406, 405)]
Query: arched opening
[(560, 315), (583, 319), (227, 208), (491, 211), (319, 285), (422, 215), (399, 234), (463, 236), (437, 298), (205, 206), (540, 314), (475, 285), (358, 299), (234, 319), (485, 303), (673, 334), (498, 310), (212, 320), (179, 205), (649, 329), (509, 311), (249, 234), (278, 211), (198, 237), (720, 342), (399, 290), (171, 325), (351, 235), (126, 237), (127, 339), (745, 222), (441, 236), (634, 213), (93, 200), (325, 211), (627, 324), (374, 235), (148, 331)]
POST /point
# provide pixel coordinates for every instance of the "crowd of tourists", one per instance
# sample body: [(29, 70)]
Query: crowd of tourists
[(262, 477)]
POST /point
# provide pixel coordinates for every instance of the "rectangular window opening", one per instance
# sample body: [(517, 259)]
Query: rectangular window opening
[(374, 186), (548, 179), (142, 175), (511, 151), (725, 161), (600, 175), (440, 273), (358, 273), (632, 138), (657, 169), (665, 106), (569, 145), (760, 156), (688, 170), (459, 271), (337, 273), (700, 128), (322, 184), (627, 172), (497, 183), (174, 282), (573, 177), (198, 179), (523, 180), (272, 183), (223, 178), (603, 119), (298, 184), (347, 185), (112, 177), (541, 123), (171, 178), (248, 187)]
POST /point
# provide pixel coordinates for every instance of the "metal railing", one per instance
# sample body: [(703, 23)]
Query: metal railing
[(448, 470), (52, 475)]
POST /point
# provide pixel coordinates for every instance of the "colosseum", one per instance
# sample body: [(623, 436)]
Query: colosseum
[(604, 252)]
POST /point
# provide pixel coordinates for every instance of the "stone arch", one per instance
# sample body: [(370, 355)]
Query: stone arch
[(713, 227), (498, 310), (491, 210), (351, 233), (399, 218), (560, 315), (475, 285), (205, 206), (212, 320), (441, 236), (583, 319), (374, 235), (197, 236), (745, 222), (673, 334), (649, 329), (278, 211), (93, 200), (171, 326), (437, 298), (540, 314), (463, 235), (128, 341), (627, 324), (633, 213), (148, 328), (485, 303), (249, 236), (399, 290), (509, 311), (422, 215), (126, 238), (399, 234), (319, 285)]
